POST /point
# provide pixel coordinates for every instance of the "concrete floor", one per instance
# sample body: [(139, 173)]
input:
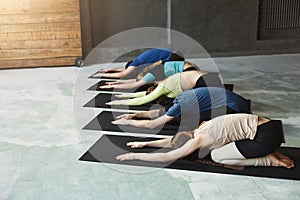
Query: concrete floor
[(41, 137)]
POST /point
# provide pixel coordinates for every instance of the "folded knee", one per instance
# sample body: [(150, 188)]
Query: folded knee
[(216, 156), (227, 154)]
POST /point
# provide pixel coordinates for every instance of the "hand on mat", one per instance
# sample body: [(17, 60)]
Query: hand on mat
[(127, 156), (136, 144), (112, 83), (113, 103), (121, 122), (98, 75), (104, 70), (118, 102), (126, 116), (120, 96), (107, 86)]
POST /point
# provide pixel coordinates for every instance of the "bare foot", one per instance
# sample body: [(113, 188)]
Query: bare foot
[(279, 160), (280, 155)]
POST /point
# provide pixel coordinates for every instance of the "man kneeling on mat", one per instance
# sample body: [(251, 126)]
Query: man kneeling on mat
[(235, 139), (187, 107)]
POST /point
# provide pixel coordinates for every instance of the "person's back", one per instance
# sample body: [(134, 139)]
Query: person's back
[(133, 68), (206, 98), (152, 56), (162, 71), (227, 128), (201, 104)]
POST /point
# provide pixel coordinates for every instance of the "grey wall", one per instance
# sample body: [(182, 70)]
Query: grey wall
[(110, 17), (222, 27), (106, 18)]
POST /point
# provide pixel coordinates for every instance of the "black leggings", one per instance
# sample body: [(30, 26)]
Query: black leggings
[(268, 138), (176, 56), (209, 80), (192, 68)]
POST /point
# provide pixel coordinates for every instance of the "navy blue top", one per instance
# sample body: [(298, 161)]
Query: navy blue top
[(192, 102), (152, 56)]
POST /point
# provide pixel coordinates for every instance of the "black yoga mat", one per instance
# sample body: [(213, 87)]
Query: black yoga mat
[(104, 119), (100, 100), (109, 146), (96, 86), (188, 123)]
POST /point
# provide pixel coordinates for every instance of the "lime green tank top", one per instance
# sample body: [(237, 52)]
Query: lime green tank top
[(170, 87)]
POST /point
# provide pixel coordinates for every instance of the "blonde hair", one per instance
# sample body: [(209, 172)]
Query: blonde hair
[(180, 138)]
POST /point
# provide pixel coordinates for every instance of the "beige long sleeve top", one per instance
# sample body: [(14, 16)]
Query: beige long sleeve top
[(228, 128)]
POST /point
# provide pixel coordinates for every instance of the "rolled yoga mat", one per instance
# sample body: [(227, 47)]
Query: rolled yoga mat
[(96, 86), (109, 146)]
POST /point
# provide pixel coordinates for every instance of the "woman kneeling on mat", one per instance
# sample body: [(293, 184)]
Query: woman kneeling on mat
[(155, 72), (236, 139), (189, 107), (147, 57), (170, 87)]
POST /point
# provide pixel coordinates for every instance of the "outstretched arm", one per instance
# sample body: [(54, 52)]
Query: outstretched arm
[(131, 85), (159, 91), (166, 142), (121, 74), (126, 81), (131, 95), (145, 114), (144, 123), (118, 69), (188, 148)]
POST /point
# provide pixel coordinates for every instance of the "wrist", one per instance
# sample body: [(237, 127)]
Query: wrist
[(116, 102), (133, 156), (146, 144)]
